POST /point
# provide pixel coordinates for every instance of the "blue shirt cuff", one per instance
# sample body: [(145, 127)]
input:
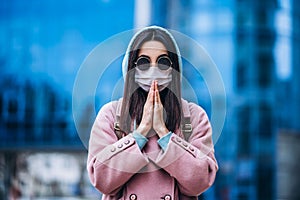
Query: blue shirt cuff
[(140, 139), (164, 141)]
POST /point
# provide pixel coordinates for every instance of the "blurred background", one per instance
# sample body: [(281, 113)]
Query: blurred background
[(255, 45)]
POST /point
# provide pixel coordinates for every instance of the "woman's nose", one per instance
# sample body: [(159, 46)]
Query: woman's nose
[(153, 63)]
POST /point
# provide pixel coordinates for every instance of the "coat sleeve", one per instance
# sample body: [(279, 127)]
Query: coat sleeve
[(192, 163), (111, 162)]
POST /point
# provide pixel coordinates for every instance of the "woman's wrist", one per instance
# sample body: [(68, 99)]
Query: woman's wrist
[(161, 132), (142, 130)]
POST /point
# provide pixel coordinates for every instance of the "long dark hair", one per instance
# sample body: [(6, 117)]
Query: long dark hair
[(135, 97)]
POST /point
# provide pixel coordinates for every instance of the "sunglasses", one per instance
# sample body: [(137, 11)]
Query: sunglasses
[(163, 62)]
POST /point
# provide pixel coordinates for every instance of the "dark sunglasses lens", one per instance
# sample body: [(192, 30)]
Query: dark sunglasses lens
[(164, 63), (143, 63)]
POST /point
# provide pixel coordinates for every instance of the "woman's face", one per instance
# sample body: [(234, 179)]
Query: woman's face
[(152, 64)]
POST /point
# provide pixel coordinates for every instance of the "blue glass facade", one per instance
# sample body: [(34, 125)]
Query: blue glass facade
[(255, 45), (42, 47)]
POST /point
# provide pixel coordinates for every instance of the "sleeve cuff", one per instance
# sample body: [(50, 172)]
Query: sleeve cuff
[(140, 139), (164, 141)]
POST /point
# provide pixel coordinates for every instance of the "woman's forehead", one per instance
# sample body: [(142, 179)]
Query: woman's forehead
[(152, 48)]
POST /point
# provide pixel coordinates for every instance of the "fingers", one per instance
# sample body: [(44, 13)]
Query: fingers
[(146, 123), (152, 86), (150, 96), (155, 85), (156, 94), (155, 98), (153, 95), (158, 120)]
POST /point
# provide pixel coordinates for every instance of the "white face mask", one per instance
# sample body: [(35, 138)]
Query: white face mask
[(144, 78)]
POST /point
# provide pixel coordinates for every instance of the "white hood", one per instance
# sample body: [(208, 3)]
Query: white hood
[(129, 48)]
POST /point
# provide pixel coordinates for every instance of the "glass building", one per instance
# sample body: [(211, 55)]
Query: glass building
[(255, 45)]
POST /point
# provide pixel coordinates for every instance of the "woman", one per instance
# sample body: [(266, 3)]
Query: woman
[(151, 144)]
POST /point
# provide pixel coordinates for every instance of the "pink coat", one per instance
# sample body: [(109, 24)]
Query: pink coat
[(120, 170)]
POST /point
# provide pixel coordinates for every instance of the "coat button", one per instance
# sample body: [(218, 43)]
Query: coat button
[(184, 144), (120, 145), (133, 197), (127, 142), (178, 140), (192, 149), (113, 149), (167, 197)]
